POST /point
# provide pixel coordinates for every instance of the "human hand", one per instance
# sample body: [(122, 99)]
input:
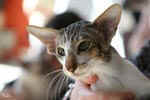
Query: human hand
[(83, 92)]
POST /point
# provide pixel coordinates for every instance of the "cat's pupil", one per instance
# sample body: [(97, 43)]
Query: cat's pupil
[(85, 45), (60, 51)]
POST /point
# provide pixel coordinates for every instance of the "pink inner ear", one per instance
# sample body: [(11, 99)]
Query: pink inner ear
[(110, 25)]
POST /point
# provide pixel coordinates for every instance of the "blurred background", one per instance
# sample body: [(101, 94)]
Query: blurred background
[(22, 55)]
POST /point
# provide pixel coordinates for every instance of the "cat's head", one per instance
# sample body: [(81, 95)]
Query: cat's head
[(78, 44)]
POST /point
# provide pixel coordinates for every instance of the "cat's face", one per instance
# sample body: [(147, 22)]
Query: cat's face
[(80, 44), (76, 45)]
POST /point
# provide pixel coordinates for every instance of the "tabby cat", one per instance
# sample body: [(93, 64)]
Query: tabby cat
[(84, 50)]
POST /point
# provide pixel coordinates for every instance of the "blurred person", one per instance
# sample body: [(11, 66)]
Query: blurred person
[(141, 33), (14, 21), (135, 8), (62, 20)]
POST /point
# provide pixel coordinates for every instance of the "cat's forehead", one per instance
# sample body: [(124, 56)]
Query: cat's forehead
[(74, 31)]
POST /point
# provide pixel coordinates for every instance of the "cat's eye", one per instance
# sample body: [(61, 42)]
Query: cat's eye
[(83, 46), (61, 51)]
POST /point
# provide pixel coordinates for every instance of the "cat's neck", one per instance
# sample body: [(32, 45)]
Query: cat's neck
[(112, 67), (125, 68), (118, 66), (116, 60), (120, 73)]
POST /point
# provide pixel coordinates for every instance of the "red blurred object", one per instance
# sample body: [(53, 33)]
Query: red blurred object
[(16, 20)]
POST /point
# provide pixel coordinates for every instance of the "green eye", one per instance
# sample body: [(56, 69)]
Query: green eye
[(85, 45), (61, 51)]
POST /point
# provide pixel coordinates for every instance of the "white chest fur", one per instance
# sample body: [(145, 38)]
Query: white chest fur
[(120, 75)]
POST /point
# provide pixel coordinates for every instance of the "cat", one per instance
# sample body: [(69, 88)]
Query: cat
[(83, 48)]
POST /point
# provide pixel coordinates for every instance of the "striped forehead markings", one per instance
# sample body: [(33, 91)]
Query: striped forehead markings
[(73, 31)]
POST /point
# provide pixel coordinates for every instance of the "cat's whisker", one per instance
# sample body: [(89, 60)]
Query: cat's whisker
[(67, 79), (58, 85), (61, 85), (52, 81), (55, 77), (53, 72)]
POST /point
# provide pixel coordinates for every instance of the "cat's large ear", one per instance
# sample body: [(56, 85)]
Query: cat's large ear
[(45, 35), (107, 22)]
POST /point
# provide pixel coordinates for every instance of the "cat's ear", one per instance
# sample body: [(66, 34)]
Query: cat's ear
[(45, 35), (107, 22)]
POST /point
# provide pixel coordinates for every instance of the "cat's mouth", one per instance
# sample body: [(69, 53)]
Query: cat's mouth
[(92, 79), (87, 78)]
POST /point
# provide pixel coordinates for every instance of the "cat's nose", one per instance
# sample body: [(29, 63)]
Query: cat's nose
[(71, 64), (71, 69)]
